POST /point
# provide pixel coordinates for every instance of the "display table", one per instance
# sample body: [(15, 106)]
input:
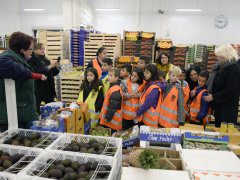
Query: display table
[(206, 160), (203, 175), (130, 173)]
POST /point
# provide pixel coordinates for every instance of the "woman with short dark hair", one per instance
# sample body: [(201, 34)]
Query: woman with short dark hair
[(45, 90), (13, 65), (192, 76)]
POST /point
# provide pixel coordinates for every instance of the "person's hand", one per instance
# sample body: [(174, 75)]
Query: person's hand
[(193, 92), (208, 98), (43, 78), (53, 64)]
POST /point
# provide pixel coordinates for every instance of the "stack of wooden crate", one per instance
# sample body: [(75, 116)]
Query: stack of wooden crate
[(70, 85), (52, 41), (110, 41)]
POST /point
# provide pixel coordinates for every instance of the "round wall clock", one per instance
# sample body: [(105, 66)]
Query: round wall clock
[(221, 21)]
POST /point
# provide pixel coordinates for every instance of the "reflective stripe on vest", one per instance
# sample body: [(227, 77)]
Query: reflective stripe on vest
[(116, 122), (91, 100), (106, 85), (195, 107), (97, 67), (168, 111), (151, 116), (131, 105), (186, 91)]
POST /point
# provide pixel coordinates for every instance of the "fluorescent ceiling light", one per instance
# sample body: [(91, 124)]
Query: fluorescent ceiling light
[(34, 9), (110, 9), (189, 10)]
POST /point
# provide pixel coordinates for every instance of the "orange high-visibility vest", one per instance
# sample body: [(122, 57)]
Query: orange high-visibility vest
[(116, 122), (131, 105), (186, 92), (97, 67), (195, 107), (169, 109), (151, 116)]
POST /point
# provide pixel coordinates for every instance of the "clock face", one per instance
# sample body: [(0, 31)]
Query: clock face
[(221, 21)]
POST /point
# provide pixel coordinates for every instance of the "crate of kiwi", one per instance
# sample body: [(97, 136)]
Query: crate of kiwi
[(65, 165), (29, 138), (15, 159)]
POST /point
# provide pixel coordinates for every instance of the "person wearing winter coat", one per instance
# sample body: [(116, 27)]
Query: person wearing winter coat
[(13, 65), (223, 86), (40, 64)]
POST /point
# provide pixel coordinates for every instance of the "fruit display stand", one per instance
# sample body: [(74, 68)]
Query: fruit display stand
[(141, 174), (70, 85), (28, 138), (127, 60), (154, 137), (180, 56), (86, 165), (212, 59), (206, 160), (15, 159), (137, 43)]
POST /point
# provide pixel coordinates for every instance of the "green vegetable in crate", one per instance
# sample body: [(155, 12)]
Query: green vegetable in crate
[(149, 159)]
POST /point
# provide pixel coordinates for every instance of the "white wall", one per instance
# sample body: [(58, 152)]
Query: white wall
[(182, 27), (13, 18)]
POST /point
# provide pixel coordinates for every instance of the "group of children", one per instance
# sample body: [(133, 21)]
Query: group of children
[(122, 98)]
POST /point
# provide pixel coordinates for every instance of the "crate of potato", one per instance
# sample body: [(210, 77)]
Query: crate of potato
[(29, 138), (62, 165)]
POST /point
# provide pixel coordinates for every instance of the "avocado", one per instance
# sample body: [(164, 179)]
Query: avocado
[(35, 135), (94, 165), (33, 144), (82, 174), (70, 176), (69, 170), (3, 158), (75, 165), (7, 164), (39, 140), (75, 148), (27, 143), (95, 146), (55, 173), (9, 141), (60, 167), (102, 172), (15, 142), (68, 148), (91, 150), (86, 145), (83, 150), (44, 175), (81, 169), (2, 169), (15, 158), (91, 141), (52, 166), (89, 176), (67, 162)]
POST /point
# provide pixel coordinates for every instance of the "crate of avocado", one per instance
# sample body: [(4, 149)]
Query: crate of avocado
[(62, 165), (100, 131), (130, 136), (155, 159), (29, 138), (14, 159), (205, 140), (77, 143)]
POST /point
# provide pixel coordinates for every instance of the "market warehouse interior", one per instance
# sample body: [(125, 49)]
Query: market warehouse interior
[(116, 89)]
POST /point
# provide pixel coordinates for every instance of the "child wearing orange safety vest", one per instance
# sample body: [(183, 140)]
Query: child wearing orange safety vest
[(134, 86), (199, 108), (186, 90), (151, 98), (172, 107), (111, 113)]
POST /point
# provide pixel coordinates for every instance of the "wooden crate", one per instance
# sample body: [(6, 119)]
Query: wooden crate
[(53, 33), (104, 37)]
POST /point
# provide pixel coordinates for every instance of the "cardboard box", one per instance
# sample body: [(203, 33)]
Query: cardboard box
[(192, 127), (69, 120)]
